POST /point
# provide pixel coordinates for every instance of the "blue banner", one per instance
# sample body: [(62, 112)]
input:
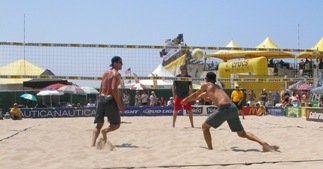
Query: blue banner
[(275, 111), (90, 112), (58, 112)]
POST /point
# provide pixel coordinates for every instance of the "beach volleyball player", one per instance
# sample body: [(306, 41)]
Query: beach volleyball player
[(109, 102), (227, 111)]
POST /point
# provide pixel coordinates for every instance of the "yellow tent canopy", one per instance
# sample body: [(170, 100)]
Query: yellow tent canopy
[(318, 46), (19, 67), (267, 43), (226, 55)]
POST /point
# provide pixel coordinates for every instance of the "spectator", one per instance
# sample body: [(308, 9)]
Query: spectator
[(301, 66), (137, 99), (293, 101), (303, 99), (15, 112), (144, 98), (90, 103), (253, 109), (276, 97), (321, 64), (284, 98), (261, 110), (237, 98), (252, 96), (170, 101), (153, 99), (126, 98), (162, 101), (263, 96), (270, 100)]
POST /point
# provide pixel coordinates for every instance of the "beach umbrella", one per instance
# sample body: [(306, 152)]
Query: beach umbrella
[(71, 89), (89, 90), (54, 86), (28, 96), (304, 86), (49, 93)]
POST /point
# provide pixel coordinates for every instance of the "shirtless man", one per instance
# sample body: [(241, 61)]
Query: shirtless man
[(109, 102), (227, 111)]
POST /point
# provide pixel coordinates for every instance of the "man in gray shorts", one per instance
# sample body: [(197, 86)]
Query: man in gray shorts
[(105, 103), (109, 102), (227, 111)]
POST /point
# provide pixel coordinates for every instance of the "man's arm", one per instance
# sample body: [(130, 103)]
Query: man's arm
[(196, 95), (115, 92)]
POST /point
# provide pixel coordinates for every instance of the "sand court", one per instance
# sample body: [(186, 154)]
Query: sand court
[(151, 142)]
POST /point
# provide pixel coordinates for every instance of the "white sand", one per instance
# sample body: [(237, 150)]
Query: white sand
[(151, 142)]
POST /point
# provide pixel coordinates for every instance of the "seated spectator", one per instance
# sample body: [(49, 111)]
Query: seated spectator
[(15, 112), (261, 110), (161, 101), (90, 103), (253, 109), (170, 101)]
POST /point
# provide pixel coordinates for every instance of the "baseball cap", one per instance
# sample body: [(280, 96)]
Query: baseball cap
[(211, 77), (115, 59)]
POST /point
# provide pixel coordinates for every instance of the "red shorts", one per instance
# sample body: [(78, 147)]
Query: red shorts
[(178, 106)]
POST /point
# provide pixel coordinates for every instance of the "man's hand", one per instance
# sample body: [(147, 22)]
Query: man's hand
[(184, 101), (121, 109)]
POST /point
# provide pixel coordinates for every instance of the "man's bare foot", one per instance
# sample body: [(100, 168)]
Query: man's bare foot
[(101, 143), (269, 148)]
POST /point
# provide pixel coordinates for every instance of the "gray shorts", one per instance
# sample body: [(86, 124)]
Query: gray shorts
[(107, 106), (227, 112)]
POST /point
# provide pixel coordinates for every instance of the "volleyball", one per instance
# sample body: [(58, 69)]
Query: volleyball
[(197, 53)]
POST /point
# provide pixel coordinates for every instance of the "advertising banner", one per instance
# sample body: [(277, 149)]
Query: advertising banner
[(58, 112), (203, 109), (314, 114), (275, 111), (90, 112)]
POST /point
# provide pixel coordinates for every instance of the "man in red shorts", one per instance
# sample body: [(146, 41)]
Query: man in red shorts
[(182, 89)]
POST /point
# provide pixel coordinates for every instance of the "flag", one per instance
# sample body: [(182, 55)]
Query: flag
[(128, 71)]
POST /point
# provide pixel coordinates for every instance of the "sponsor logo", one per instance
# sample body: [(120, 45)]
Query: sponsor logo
[(315, 116), (45, 113), (197, 110)]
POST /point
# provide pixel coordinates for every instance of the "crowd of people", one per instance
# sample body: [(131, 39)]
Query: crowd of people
[(142, 98)]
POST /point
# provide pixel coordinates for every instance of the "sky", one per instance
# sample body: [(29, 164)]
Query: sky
[(290, 23)]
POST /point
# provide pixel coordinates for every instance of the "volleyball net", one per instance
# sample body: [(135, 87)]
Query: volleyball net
[(85, 63)]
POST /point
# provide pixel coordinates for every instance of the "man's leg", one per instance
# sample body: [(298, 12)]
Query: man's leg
[(96, 133), (105, 131), (252, 137), (190, 115), (174, 117), (207, 135)]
